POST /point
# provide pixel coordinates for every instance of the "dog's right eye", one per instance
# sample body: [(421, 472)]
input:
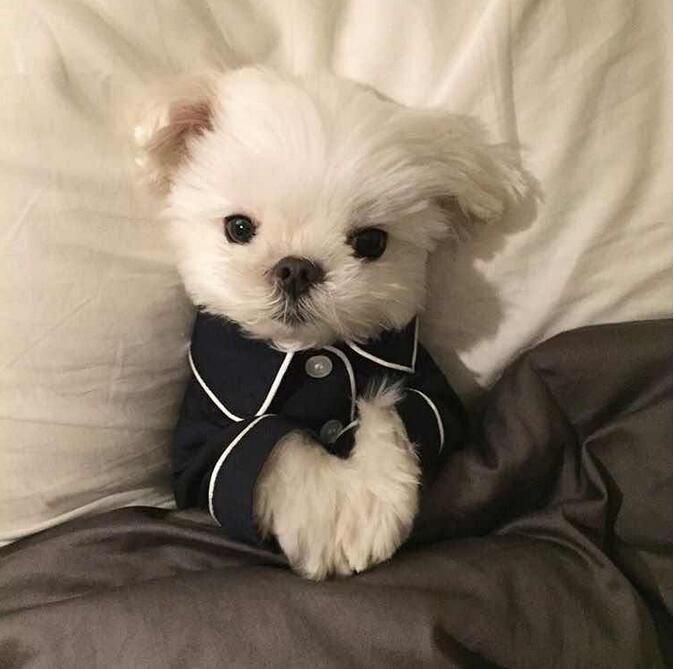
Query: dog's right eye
[(239, 229)]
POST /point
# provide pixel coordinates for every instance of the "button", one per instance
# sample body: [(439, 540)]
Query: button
[(318, 366), (330, 431)]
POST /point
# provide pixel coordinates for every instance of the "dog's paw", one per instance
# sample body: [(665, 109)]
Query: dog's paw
[(334, 516), (297, 498), (383, 493)]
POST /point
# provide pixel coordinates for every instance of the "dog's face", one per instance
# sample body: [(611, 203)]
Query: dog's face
[(305, 210)]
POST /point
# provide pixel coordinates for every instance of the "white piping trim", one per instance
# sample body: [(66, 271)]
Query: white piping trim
[(374, 358), (277, 382), (441, 429), (210, 393), (386, 363), (223, 457), (349, 370)]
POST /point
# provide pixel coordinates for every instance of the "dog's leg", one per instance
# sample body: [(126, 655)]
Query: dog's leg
[(339, 516)]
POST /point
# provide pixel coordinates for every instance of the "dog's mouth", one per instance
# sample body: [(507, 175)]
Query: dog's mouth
[(294, 312)]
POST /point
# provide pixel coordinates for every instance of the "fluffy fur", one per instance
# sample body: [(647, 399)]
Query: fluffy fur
[(310, 161), (339, 516)]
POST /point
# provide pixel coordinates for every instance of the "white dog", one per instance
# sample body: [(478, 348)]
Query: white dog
[(303, 211)]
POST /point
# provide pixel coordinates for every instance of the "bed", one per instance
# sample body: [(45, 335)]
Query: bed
[(545, 542)]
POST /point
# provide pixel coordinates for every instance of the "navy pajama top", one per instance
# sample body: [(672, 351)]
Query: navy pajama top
[(244, 396)]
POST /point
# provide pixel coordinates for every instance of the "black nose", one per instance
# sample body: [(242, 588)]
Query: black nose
[(297, 275)]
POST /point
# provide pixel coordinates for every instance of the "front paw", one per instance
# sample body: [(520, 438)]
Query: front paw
[(335, 516), (383, 492), (297, 500)]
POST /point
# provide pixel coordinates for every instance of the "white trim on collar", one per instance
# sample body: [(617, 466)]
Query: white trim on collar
[(276, 383), (386, 363), (431, 404), (210, 393), (352, 377)]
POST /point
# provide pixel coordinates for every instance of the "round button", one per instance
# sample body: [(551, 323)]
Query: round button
[(330, 431), (318, 366)]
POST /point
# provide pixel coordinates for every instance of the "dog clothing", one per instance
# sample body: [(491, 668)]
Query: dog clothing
[(245, 395)]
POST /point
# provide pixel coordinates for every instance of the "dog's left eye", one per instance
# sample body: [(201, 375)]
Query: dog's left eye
[(239, 229), (369, 243)]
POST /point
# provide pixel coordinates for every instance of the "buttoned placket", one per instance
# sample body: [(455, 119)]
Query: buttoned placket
[(320, 366)]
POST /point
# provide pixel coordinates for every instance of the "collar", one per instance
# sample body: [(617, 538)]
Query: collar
[(393, 349), (241, 375)]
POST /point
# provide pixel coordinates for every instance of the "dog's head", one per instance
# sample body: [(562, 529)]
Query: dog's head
[(305, 209)]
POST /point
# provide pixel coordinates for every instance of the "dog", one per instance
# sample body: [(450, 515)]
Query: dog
[(303, 211)]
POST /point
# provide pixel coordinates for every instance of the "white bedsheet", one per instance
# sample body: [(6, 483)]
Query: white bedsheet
[(93, 321)]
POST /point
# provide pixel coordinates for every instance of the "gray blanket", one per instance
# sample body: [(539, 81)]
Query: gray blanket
[(545, 542)]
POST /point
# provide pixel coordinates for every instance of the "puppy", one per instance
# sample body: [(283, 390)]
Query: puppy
[(303, 212)]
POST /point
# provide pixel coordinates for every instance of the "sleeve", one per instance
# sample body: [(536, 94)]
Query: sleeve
[(434, 417), (216, 461)]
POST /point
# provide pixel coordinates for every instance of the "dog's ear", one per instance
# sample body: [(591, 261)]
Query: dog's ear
[(169, 121), (459, 167)]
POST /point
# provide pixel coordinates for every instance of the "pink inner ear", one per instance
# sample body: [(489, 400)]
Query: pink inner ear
[(169, 146)]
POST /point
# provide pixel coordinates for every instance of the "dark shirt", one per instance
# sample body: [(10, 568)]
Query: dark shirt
[(244, 396)]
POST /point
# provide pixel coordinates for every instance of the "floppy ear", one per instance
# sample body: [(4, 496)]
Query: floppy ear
[(168, 124), (461, 167)]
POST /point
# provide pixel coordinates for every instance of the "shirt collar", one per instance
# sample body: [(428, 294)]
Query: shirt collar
[(241, 375), (393, 349)]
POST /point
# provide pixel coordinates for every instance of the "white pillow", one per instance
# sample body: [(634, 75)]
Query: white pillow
[(93, 319)]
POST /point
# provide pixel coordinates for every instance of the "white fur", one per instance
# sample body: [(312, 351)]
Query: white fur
[(341, 516), (311, 160)]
